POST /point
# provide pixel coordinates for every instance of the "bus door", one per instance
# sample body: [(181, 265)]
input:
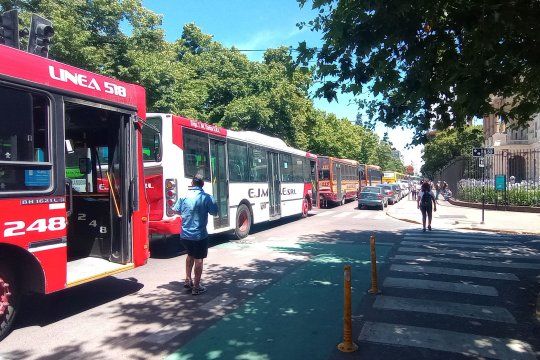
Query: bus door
[(274, 185), (220, 183), (314, 182), (102, 187), (339, 176)]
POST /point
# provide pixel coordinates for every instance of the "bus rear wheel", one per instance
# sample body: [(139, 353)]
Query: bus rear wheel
[(243, 221), (9, 299)]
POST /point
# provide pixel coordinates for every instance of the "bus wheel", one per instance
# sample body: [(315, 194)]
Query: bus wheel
[(305, 207), (243, 221), (9, 299)]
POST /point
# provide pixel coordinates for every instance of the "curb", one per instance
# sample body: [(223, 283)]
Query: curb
[(473, 228)]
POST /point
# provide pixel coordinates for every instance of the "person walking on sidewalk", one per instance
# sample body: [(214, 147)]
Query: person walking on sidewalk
[(194, 208), (437, 189), (424, 202)]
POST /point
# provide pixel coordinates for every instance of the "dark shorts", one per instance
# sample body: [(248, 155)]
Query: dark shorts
[(197, 249), (426, 210)]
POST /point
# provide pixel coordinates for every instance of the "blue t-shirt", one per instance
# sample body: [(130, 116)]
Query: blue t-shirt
[(194, 208)]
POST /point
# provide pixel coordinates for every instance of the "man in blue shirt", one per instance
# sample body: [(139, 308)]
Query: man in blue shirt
[(194, 208)]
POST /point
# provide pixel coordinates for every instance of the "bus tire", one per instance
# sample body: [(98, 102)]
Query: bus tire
[(243, 221), (9, 299)]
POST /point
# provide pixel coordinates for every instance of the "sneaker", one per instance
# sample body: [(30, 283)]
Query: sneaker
[(188, 284), (429, 227), (424, 230), (198, 290)]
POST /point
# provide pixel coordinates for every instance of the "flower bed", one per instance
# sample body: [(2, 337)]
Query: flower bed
[(519, 194)]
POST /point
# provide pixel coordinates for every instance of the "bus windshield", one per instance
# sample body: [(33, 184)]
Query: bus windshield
[(151, 140)]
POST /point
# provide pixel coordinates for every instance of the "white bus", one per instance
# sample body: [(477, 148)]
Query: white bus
[(253, 177)]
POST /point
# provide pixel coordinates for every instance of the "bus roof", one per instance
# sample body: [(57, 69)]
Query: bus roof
[(52, 75), (250, 137), (346, 161)]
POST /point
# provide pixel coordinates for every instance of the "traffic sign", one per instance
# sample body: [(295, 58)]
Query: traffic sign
[(477, 152), (480, 152)]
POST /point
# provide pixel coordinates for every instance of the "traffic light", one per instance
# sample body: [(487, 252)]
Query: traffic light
[(9, 28), (41, 32)]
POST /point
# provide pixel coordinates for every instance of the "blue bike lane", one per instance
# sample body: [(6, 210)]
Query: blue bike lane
[(297, 317)]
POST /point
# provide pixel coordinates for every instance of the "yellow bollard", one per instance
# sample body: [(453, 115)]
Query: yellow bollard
[(347, 345), (374, 280)]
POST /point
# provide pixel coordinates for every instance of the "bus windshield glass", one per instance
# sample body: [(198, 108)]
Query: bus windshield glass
[(151, 139)]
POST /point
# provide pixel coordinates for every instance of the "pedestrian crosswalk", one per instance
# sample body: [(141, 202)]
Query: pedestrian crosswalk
[(357, 214), (444, 278)]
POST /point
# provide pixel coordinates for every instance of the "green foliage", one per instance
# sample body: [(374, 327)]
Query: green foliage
[(514, 196), (198, 77), (429, 61), (449, 144)]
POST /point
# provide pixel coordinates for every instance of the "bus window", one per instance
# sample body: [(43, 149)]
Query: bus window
[(258, 171), (150, 139), (238, 162), (24, 134), (298, 169), (286, 167), (196, 155)]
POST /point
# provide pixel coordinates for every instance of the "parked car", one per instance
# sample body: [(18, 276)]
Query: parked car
[(391, 195), (398, 189), (372, 196)]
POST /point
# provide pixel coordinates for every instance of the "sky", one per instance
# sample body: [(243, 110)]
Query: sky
[(262, 24)]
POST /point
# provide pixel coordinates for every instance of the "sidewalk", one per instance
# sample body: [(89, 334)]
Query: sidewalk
[(453, 217)]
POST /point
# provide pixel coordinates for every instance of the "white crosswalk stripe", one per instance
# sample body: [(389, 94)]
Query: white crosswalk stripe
[(498, 264), (480, 312), (469, 253), (325, 213), (458, 240), (363, 215), (449, 341), (447, 286), (518, 249), (343, 214), (458, 234), (454, 272)]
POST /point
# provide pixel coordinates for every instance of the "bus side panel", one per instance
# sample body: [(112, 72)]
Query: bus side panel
[(291, 198), (38, 225), (256, 194), (55, 276)]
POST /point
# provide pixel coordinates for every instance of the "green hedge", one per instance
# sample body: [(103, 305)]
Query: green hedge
[(515, 196)]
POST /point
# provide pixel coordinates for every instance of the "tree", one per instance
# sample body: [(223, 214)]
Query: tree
[(429, 63), (449, 144)]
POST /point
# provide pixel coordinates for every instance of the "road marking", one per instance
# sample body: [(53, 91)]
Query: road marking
[(491, 313), (343, 214), (472, 289), (364, 214), (454, 272), (469, 246), (166, 333), (275, 270), (325, 213), (503, 264), (463, 240), (449, 341), (217, 303), (468, 253), (454, 234), (252, 283)]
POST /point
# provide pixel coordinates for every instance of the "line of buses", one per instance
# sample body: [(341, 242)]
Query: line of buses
[(87, 176)]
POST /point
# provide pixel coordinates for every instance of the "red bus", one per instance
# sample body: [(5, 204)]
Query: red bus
[(72, 201), (338, 180), (253, 177), (370, 175)]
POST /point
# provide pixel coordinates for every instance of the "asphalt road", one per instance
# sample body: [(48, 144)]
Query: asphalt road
[(278, 294)]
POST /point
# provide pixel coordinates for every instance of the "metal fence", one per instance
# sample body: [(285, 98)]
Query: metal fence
[(509, 178)]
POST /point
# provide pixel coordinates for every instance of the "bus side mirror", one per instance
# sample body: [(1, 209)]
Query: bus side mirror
[(157, 147), (85, 166)]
